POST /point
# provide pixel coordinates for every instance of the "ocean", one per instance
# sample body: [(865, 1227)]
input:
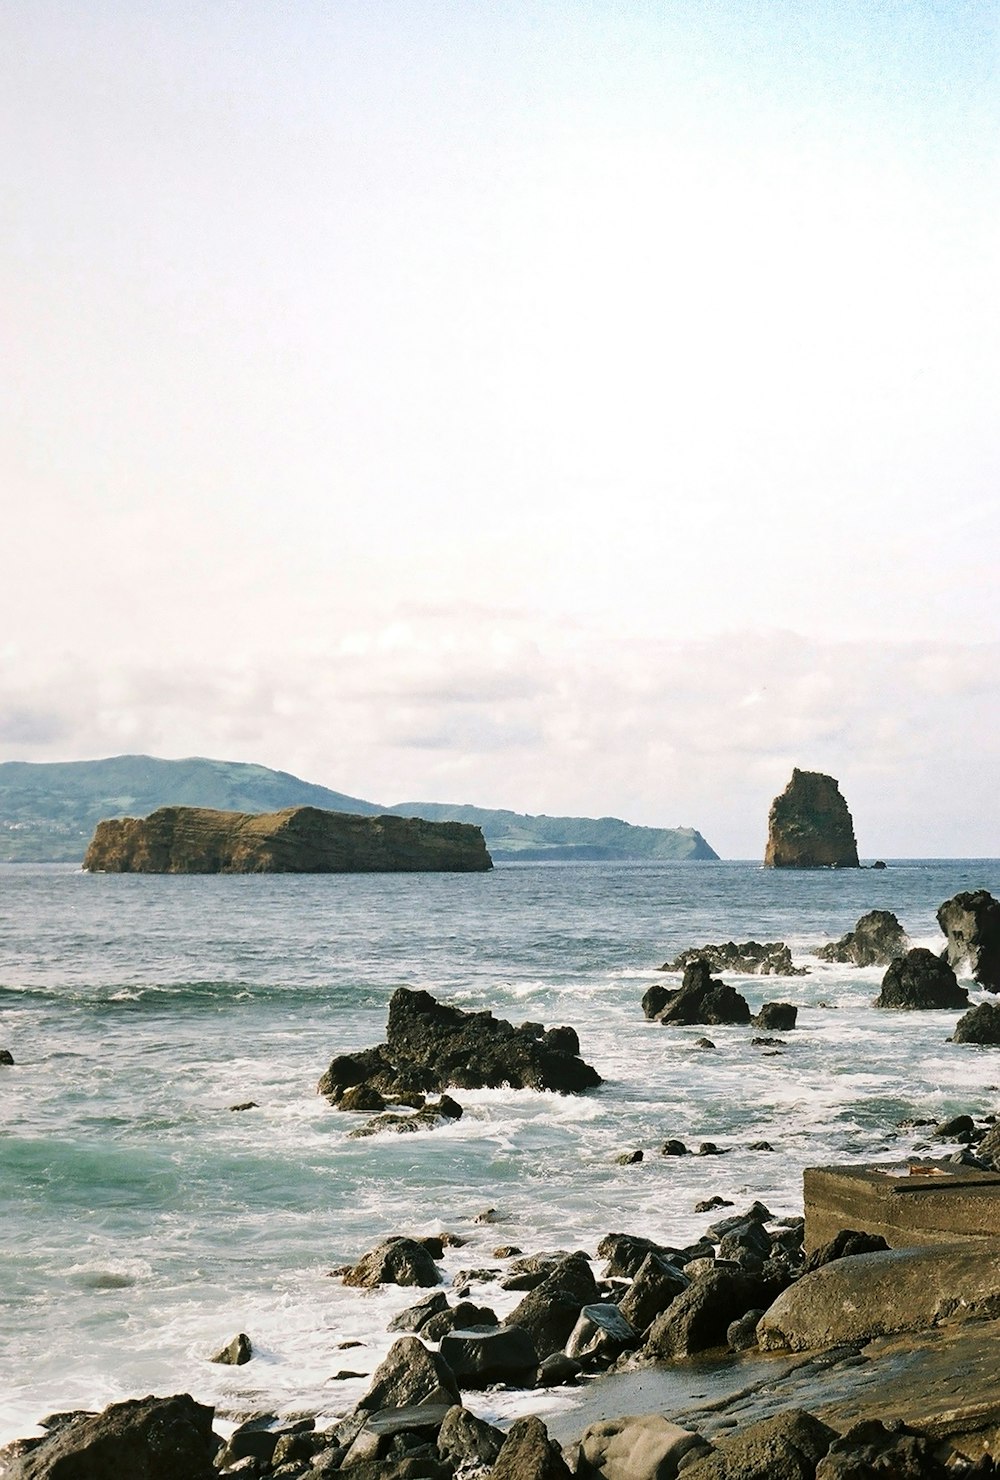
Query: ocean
[(145, 1222)]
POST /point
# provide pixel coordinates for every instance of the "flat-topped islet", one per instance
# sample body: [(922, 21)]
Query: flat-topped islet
[(298, 840)]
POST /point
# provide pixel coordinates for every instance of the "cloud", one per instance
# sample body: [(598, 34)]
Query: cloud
[(503, 710)]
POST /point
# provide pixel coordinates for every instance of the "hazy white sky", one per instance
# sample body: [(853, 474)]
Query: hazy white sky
[(569, 406)]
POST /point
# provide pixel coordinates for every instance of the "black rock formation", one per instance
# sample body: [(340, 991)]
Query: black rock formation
[(431, 1046), (876, 940), (972, 924), (921, 980)]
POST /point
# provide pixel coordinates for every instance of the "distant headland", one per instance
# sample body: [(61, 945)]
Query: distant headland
[(49, 810)]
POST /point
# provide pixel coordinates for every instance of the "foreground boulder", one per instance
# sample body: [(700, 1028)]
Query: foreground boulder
[(921, 980), (971, 922), (981, 1024), (550, 1311), (809, 825), (876, 940), (298, 840), (868, 1295), (646, 1446), (411, 1374), (701, 998), (143, 1439), (529, 1454), (431, 1046), (751, 958)]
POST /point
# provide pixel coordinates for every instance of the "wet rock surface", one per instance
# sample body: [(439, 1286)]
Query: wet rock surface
[(876, 940), (751, 958), (431, 1046), (971, 923), (701, 998), (919, 981)]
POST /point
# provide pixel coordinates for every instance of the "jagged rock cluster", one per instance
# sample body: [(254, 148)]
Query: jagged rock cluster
[(876, 940), (751, 958), (809, 825), (431, 1046), (299, 840)]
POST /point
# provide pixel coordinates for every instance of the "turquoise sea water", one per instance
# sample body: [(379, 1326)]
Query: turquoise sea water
[(144, 1222)]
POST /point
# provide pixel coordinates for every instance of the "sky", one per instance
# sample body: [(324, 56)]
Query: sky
[(577, 407)]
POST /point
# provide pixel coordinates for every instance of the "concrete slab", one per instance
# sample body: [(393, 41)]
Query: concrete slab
[(912, 1204)]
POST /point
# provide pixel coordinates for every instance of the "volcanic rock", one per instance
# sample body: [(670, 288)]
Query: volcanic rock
[(656, 1284), (549, 1312), (410, 1374), (298, 840), (6, 1057), (704, 999), (921, 980), (876, 940), (972, 924), (751, 958), (700, 1316), (468, 1442), (239, 1351), (809, 825), (777, 1017), (431, 1046), (529, 1454), (397, 1261), (480, 1355), (600, 1335), (981, 1024), (143, 1438)]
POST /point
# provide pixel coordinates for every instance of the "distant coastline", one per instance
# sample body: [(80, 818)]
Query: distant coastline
[(49, 810)]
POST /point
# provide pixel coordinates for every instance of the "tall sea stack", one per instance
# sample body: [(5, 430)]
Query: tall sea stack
[(809, 825)]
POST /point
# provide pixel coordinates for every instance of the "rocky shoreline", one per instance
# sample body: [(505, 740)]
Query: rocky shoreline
[(711, 1360)]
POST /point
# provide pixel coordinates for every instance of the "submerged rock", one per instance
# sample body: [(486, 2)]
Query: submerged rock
[(809, 825), (751, 958), (238, 1351), (431, 1046), (198, 840), (921, 980), (876, 940), (972, 924)]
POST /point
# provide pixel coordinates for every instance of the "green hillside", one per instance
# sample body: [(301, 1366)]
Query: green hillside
[(515, 835), (48, 811)]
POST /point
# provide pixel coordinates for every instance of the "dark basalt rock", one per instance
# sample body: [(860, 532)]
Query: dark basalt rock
[(876, 1449), (238, 1351), (972, 924), (397, 1261), (432, 1046), (6, 1057), (777, 1017), (809, 825), (198, 840), (751, 958), (981, 1024), (703, 999), (425, 1119), (529, 1454), (847, 1242), (700, 1316), (144, 1439), (656, 1284), (600, 1335), (481, 1355), (468, 1442), (921, 980), (411, 1374), (549, 1312), (876, 940)]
